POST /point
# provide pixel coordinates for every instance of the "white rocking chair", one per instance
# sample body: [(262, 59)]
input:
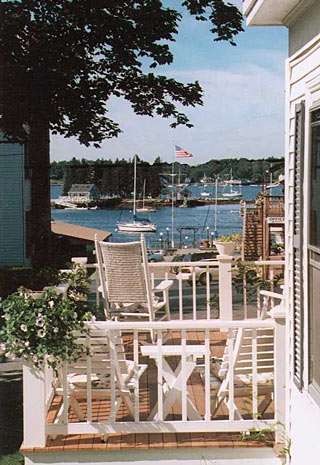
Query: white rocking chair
[(126, 282)]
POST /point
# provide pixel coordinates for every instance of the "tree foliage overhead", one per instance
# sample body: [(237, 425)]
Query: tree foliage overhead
[(63, 60)]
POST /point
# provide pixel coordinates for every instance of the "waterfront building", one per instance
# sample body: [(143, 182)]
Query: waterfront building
[(83, 193)]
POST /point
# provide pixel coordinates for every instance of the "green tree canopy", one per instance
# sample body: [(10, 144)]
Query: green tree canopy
[(63, 60)]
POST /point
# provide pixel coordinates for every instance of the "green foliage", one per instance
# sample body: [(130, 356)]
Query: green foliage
[(116, 177), (12, 459), (231, 238), (31, 278), (42, 329), (63, 61), (40, 326), (253, 280), (259, 435)]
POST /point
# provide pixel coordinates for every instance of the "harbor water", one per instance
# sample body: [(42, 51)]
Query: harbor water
[(202, 217)]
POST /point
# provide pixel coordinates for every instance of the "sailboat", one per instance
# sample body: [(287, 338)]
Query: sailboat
[(137, 225), (145, 209), (231, 194), (203, 181)]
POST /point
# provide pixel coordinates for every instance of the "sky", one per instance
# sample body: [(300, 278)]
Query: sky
[(243, 111)]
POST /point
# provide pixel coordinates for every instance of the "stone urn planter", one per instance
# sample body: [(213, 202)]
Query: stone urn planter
[(225, 248)]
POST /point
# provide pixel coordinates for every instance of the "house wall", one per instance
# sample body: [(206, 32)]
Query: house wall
[(302, 83), (13, 199), (303, 30)]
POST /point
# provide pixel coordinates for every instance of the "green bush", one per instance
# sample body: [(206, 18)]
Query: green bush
[(32, 278)]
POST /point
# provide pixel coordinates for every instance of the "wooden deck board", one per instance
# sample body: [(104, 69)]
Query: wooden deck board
[(147, 400)]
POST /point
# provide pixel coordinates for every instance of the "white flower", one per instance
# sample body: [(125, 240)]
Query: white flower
[(40, 321), (24, 328), (75, 315), (55, 330), (27, 344), (41, 333), (51, 303)]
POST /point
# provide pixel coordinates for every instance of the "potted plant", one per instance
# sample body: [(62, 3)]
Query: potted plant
[(226, 244), (41, 327)]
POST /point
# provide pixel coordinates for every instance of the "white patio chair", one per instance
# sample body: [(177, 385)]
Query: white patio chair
[(107, 368), (268, 303), (243, 355), (126, 282)]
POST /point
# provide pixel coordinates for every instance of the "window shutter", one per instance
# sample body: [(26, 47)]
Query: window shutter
[(297, 246)]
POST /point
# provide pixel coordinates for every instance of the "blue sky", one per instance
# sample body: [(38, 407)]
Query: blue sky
[(243, 111)]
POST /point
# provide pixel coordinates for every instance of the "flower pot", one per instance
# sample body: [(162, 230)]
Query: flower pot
[(225, 248)]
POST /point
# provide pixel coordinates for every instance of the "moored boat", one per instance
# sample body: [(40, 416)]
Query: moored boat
[(137, 225)]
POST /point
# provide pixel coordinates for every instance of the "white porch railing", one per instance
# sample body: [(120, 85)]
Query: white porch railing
[(169, 386), (207, 289)]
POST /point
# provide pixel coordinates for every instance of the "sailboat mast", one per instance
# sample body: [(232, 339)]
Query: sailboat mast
[(134, 185), (231, 183), (216, 208), (144, 193), (172, 203)]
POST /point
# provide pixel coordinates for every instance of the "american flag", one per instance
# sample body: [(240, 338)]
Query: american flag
[(181, 153)]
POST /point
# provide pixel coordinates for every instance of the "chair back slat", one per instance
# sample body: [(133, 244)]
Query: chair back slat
[(124, 272)]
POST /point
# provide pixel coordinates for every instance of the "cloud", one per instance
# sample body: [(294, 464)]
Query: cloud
[(242, 115)]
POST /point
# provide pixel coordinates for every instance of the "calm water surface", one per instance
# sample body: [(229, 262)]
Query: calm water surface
[(228, 219)]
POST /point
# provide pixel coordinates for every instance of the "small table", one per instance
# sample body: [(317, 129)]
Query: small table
[(174, 378)]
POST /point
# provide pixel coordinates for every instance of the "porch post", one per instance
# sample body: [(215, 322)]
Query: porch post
[(225, 287), (34, 409), (278, 313)]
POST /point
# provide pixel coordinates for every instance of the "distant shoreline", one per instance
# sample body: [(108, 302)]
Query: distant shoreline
[(124, 204)]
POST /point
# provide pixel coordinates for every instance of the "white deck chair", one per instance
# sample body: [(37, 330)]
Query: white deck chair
[(126, 282), (243, 355), (268, 303), (243, 361), (107, 368)]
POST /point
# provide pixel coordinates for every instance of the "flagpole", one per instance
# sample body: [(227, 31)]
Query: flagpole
[(172, 200)]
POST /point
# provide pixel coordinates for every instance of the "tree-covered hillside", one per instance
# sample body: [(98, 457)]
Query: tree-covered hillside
[(116, 177)]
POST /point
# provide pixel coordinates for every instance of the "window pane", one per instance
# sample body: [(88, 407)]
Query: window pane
[(315, 326), (315, 188)]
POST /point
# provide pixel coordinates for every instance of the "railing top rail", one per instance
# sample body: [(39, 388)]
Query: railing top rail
[(268, 262), (214, 263), (181, 324)]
